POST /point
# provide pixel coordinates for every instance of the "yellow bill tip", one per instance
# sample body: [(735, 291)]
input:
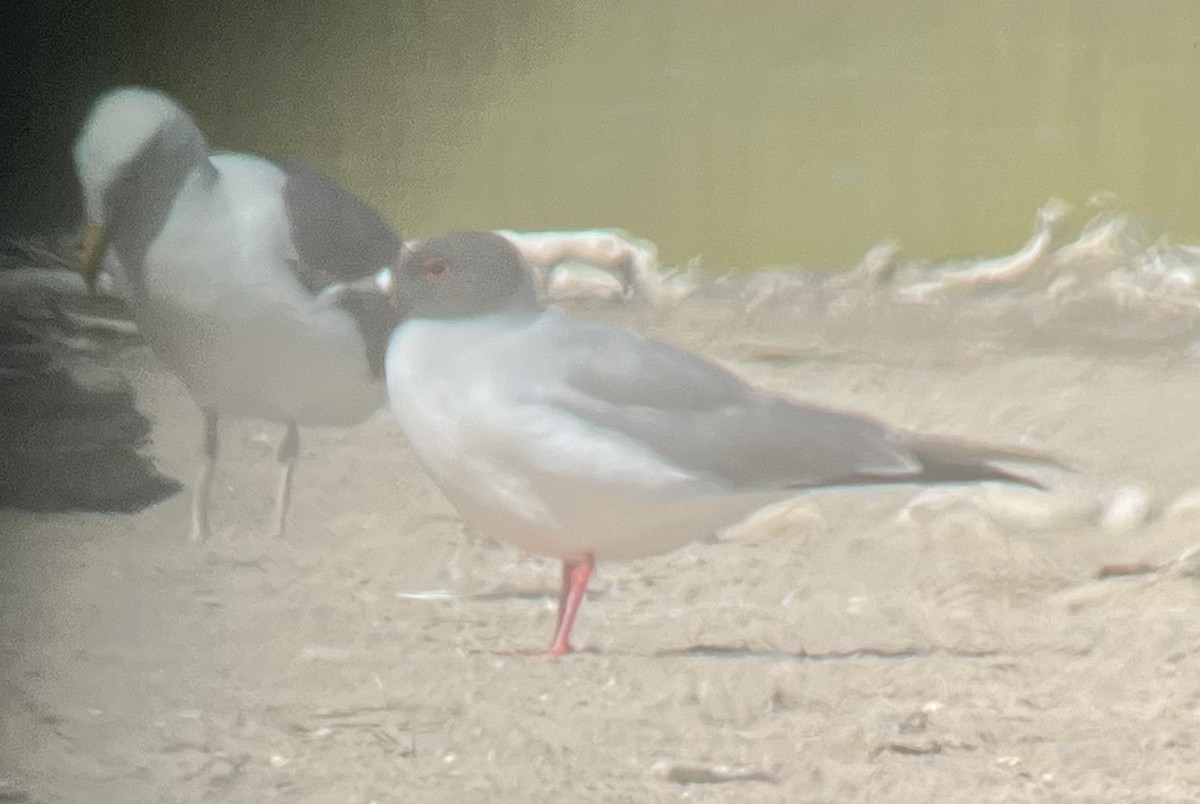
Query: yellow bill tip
[(95, 243)]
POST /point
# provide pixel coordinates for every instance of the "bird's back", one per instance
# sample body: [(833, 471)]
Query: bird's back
[(220, 302), (562, 436)]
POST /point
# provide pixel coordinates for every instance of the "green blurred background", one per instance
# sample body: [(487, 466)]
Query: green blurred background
[(748, 133)]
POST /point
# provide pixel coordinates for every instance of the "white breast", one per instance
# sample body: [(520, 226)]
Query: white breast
[(466, 394), (445, 399)]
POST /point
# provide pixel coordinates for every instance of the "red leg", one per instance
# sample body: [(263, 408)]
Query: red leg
[(575, 581), (563, 591)]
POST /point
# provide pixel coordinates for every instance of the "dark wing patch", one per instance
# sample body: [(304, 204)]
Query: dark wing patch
[(339, 237), (376, 315)]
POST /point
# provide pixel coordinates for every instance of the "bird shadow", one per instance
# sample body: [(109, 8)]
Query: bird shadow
[(712, 651)]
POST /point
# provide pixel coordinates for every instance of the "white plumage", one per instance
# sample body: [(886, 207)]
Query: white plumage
[(484, 404)]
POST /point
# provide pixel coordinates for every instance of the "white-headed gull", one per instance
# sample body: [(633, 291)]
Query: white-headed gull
[(583, 441), (250, 280)]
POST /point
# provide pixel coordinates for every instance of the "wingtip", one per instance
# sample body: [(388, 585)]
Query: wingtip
[(950, 459)]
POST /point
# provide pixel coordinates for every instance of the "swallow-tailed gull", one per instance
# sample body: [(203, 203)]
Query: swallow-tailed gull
[(583, 441), (250, 280)]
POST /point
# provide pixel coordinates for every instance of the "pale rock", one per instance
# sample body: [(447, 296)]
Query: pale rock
[(1126, 509)]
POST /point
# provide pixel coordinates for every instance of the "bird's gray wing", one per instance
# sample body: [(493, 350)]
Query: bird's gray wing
[(704, 420)]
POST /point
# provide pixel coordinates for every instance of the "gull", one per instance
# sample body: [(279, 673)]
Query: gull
[(584, 442), (252, 281)]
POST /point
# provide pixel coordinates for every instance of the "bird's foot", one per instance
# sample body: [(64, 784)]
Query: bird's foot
[(278, 529), (554, 651)]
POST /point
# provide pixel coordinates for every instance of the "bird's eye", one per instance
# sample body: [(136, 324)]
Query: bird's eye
[(434, 270)]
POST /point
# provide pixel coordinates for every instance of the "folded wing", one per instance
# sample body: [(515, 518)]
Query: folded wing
[(703, 420)]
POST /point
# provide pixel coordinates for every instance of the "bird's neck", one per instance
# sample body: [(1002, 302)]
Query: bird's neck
[(483, 325), (140, 199)]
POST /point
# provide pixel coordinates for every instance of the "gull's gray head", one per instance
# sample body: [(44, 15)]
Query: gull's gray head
[(123, 125), (463, 274)]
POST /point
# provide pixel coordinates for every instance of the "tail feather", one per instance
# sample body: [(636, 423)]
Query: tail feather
[(949, 460)]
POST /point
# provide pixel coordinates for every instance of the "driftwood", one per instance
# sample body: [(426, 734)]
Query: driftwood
[(71, 435), (633, 263)]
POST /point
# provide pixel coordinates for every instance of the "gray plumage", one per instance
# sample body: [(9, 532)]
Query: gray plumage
[(585, 441)]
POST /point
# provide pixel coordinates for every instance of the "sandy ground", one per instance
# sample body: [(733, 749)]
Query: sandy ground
[(834, 650)]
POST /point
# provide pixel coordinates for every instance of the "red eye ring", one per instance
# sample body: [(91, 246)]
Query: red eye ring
[(434, 269)]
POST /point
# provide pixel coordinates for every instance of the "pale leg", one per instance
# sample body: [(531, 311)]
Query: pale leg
[(204, 480), (289, 449)]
